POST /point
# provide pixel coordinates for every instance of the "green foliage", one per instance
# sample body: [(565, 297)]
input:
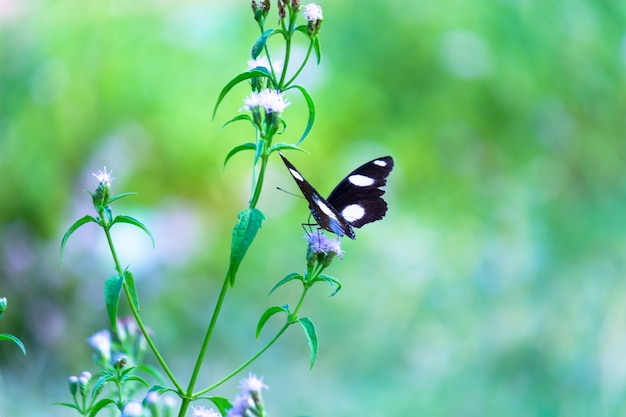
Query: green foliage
[(18, 342), (311, 337), (245, 230), (112, 290)]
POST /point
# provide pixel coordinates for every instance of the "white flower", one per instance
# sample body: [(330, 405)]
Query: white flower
[(240, 405), (271, 100), (252, 384), (101, 342), (204, 412), (264, 62), (312, 12), (132, 409), (104, 177)]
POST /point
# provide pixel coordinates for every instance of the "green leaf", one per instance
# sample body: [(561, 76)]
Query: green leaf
[(258, 46), (269, 313), (245, 147), (316, 42), (18, 342), (135, 378), (288, 278), (112, 289), (134, 222), (311, 337), (118, 196), (244, 233), (130, 282), (78, 223), (105, 402), (152, 371), (281, 145), (333, 282), (317, 49), (256, 72), (311, 106), (222, 404), (242, 116), (74, 406)]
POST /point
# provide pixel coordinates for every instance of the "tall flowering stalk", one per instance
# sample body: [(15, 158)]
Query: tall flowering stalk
[(119, 356)]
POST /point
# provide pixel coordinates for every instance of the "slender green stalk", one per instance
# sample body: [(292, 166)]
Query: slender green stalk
[(290, 320), (207, 338), (133, 309), (304, 61)]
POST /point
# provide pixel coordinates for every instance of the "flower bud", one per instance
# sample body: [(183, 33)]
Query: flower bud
[(132, 409), (73, 381), (83, 385)]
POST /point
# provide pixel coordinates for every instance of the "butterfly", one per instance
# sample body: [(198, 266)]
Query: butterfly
[(354, 202)]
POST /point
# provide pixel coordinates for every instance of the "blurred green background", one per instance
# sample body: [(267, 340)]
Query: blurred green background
[(494, 286)]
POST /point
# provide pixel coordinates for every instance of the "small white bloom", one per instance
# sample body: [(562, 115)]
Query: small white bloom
[(132, 409), (101, 342), (240, 405), (252, 384), (312, 12), (264, 62), (271, 100), (153, 397), (104, 177), (73, 379), (86, 375), (204, 412)]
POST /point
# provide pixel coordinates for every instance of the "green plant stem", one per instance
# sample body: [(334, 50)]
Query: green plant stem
[(304, 61), (259, 181), (290, 320), (133, 309), (196, 370)]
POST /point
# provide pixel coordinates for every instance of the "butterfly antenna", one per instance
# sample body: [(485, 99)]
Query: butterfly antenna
[(289, 192)]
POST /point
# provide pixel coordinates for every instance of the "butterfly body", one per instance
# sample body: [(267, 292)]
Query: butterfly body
[(354, 202)]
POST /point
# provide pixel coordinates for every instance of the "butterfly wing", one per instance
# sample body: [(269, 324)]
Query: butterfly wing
[(358, 197), (326, 216)]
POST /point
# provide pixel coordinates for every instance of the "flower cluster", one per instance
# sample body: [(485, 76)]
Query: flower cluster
[(249, 401), (128, 347), (321, 249)]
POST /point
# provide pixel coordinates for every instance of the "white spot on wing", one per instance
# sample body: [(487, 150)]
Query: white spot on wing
[(296, 174), (353, 212), (380, 163), (360, 180), (325, 209)]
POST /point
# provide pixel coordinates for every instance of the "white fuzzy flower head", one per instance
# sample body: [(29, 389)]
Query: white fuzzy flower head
[(101, 342), (252, 384), (264, 62), (204, 412), (240, 405), (312, 12), (271, 100), (132, 409), (104, 177)]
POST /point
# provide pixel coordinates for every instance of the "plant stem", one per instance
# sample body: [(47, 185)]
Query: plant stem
[(203, 349), (304, 61), (133, 308), (290, 320)]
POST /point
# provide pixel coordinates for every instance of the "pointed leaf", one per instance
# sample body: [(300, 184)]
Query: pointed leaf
[(222, 404), (269, 313), (243, 234), (18, 342), (130, 282), (242, 116), (78, 223), (281, 145), (258, 46), (74, 406), (105, 402), (288, 278), (118, 196), (311, 337), (334, 283), (311, 106), (112, 288), (257, 72), (134, 222), (317, 49), (245, 147), (135, 378)]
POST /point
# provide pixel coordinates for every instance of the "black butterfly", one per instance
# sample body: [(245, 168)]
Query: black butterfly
[(354, 202)]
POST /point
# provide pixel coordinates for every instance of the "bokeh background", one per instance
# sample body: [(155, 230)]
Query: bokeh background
[(495, 286)]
